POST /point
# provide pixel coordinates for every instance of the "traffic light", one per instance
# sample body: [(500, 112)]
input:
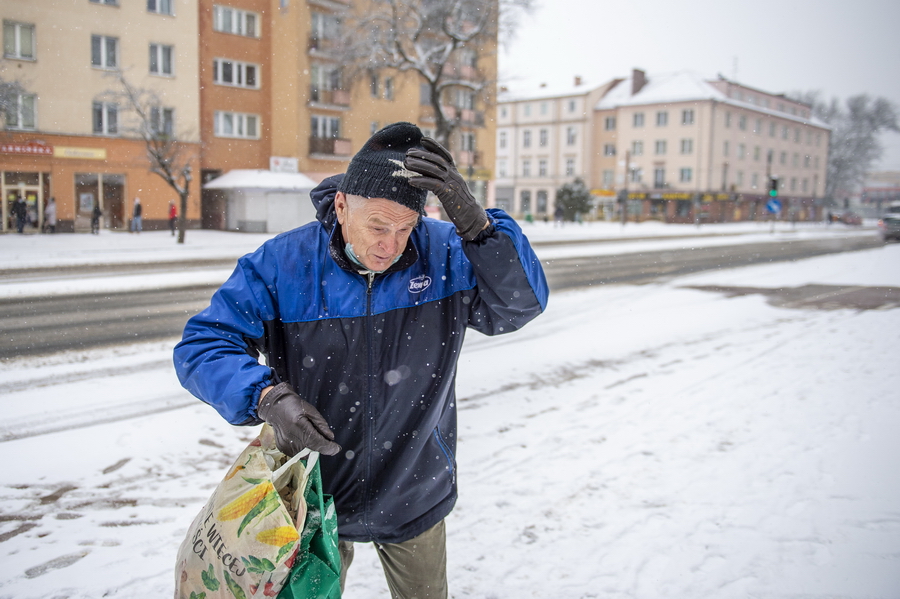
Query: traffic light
[(773, 187)]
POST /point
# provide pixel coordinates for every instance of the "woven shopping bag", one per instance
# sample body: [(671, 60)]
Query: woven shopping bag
[(246, 539)]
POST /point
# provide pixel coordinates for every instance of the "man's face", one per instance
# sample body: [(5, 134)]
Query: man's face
[(377, 228)]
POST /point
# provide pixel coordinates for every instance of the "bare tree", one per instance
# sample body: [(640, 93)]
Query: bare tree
[(154, 123), (855, 145), (439, 40)]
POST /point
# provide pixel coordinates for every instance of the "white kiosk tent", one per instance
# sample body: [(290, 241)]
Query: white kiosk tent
[(261, 201)]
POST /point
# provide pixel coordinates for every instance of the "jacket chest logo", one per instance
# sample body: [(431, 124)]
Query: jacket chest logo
[(419, 284)]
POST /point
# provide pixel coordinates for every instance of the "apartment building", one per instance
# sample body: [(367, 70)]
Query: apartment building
[(245, 84), (544, 140), (680, 147), (685, 148), (274, 91), (66, 138)]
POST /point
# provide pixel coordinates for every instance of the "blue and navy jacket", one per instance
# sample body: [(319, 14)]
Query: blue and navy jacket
[(376, 355)]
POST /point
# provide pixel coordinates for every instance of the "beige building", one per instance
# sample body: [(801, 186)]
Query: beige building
[(66, 137), (683, 148), (544, 140)]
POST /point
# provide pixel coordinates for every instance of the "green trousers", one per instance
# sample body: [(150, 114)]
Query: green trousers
[(415, 569)]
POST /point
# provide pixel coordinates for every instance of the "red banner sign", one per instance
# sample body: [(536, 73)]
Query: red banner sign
[(33, 149)]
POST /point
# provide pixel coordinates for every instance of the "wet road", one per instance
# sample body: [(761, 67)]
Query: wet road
[(46, 325)]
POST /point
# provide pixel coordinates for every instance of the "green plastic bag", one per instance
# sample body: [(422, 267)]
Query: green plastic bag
[(316, 573)]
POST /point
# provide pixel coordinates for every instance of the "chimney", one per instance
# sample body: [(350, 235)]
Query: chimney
[(638, 81), (577, 80)]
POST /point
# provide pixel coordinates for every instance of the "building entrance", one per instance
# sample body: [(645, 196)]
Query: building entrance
[(28, 187)]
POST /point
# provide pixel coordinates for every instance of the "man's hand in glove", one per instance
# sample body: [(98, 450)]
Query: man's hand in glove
[(440, 177), (297, 424)]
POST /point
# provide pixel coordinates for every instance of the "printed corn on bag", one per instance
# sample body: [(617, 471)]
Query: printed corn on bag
[(244, 541)]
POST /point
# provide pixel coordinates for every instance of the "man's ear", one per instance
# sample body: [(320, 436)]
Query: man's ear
[(340, 206)]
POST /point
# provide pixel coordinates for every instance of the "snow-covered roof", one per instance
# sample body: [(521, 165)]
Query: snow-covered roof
[(684, 86), (513, 92), (261, 179)]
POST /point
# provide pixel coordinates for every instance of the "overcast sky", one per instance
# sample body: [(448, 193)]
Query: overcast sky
[(840, 47)]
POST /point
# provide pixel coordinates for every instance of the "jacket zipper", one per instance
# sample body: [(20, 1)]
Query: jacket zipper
[(370, 408)]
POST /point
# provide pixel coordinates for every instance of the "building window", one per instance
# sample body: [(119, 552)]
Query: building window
[(570, 167), (741, 151), (543, 108), (754, 180), (526, 138), (388, 88), (637, 148), (542, 201), (757, 152), (542, 167), (784, 132), (610, 123), (104, 52), (236, 124), (526, 201), (233, 20), (687, 146), (467, 141), (659, 177), (106, 118), (238, 74), (608, 176), (686, 175), (326, 127), (687, 116), (544, 137), (772, 128), (638, 119), (162, 121), (726, 148), (742, 123), (160, 59), (739, 181), (502, 139), (570, 136), (806, 161), (759, 127), (373, 84), (796, 160), (660, 147), (18, 40), (637, 175), (571, 105), (162, 7), (782, 158), (728, 119), (501, 168), (109, 2), (797, 135), (609, 149), (20, 113), (526, 168), (662, 118)]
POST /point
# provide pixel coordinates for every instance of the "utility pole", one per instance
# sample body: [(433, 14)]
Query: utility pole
[(624, 197)]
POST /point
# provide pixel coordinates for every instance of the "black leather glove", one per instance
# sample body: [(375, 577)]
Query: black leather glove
[(440, 177), (297, 424)]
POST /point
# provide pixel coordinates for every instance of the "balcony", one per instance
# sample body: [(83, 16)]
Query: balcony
[(330, 147), (321, 45), (332, 4), (331, 97)]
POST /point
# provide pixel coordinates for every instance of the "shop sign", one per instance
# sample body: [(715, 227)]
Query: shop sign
[(83, 153), (283, 164), (32, 149), (608, 193)]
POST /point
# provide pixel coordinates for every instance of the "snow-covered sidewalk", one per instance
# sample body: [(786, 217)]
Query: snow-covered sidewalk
[(635, 442), (23, 252)]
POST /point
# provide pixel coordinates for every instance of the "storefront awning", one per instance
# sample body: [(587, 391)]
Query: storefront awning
[(261, 179)]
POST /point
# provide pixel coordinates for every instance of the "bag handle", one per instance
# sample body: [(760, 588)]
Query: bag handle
[(313, 458)]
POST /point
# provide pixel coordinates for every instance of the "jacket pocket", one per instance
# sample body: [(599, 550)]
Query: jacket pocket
[(451, 459)]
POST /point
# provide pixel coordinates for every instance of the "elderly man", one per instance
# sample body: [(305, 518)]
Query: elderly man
[(361, 317)]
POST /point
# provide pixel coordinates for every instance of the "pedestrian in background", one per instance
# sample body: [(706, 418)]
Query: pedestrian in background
[(20, 211), (95, 219), (136, 212), (173, 216), (50, 215), (361, 317)]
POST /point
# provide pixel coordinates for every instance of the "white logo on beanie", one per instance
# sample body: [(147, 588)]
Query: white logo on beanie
[(403, 171)]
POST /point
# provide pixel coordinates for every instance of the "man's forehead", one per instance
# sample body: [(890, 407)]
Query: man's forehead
[(384, 211)]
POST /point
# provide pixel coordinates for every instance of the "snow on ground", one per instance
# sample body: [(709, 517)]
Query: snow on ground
[(642, 442)]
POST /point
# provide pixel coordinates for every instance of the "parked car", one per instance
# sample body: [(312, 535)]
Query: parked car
[(889, 226), (848, 218)]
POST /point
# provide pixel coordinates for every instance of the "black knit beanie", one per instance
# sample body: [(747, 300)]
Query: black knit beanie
[(377, 170)]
